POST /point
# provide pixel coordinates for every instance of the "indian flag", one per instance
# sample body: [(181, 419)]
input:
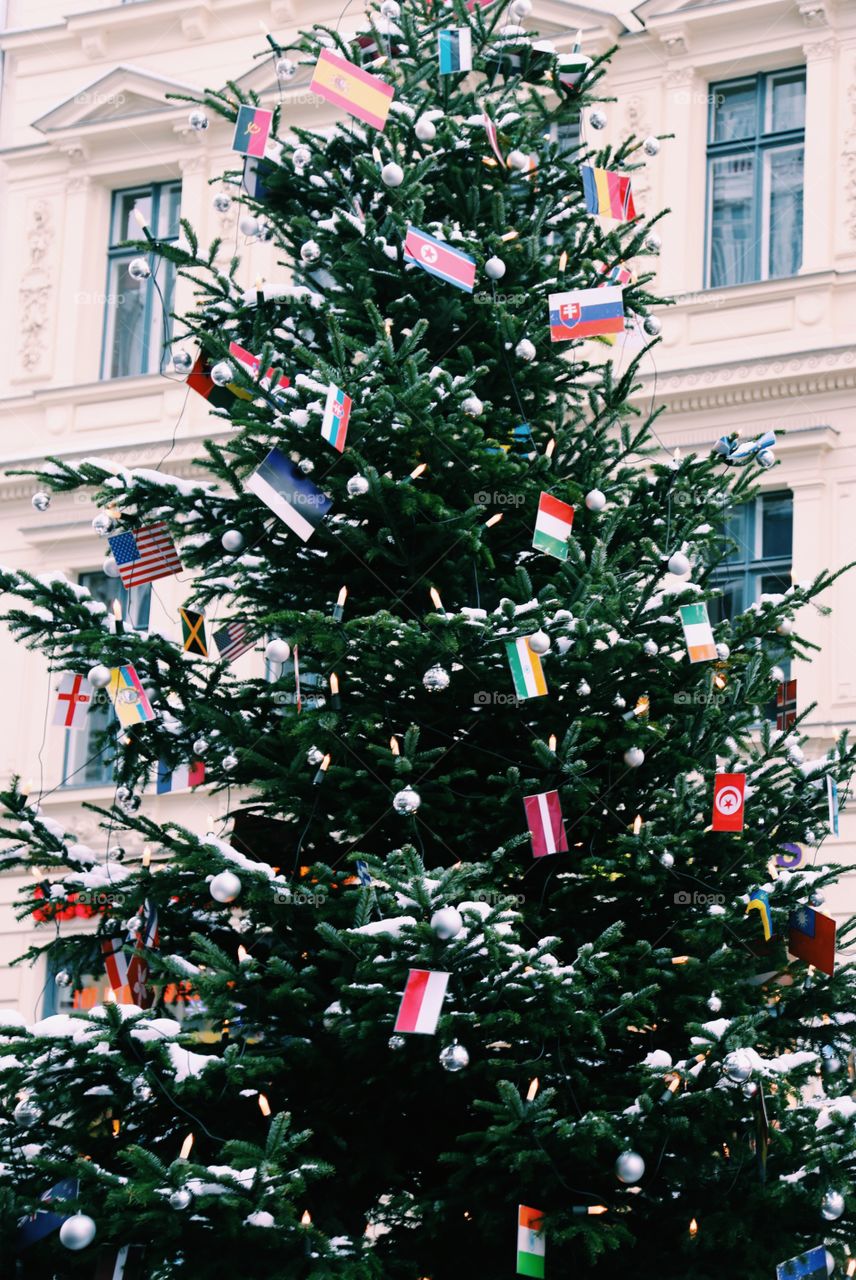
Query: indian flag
[(530, 1241), (697, 632), (553, 526), (356, 91), (526, 669)]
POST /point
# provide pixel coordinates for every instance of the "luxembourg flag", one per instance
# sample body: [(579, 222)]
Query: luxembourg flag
[(181, 778), (546, 827), (553, 526), (440, 259), (586, 313), (531, 1245), (526, 669), (337, 413), (422, 1001)]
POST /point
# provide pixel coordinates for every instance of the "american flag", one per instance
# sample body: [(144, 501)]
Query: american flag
[(233, 640), (144, 555)]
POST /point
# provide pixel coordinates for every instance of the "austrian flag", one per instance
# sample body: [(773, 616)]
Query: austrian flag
[(546, 827), (419, 1011), (728, 795)]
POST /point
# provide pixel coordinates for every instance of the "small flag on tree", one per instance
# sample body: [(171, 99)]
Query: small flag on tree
[(698, 633), (553, 526), (291, 495), (257, 173), (44, 1222), (337, 413), (531, 1245), (790, 857), (252, 129), (422, 1001), (129, 697), (199, 380), (728, 793), (145, 555), (125, 1263), (759, 901), (455, 45), (585, 313), (608, 194), (573, 65), (808, 1266), (193, 632), (786, 704), (73, 700), (546, 826), (526, 670), (440, 259), (251, 365), (181, 778), (832, 798), (811, 937), (233, 640), (493, 138), (132, 971), (356, 91)]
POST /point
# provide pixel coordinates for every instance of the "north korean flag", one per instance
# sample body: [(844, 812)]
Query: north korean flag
[(728, 795)]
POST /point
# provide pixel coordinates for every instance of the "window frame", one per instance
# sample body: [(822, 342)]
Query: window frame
[(751, 568), (758, 147)]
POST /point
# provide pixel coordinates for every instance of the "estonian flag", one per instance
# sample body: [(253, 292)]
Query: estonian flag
[(288, 493)]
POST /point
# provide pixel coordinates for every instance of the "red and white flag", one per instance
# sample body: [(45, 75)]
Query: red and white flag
[(73, 700), (422, 1001), (728, 795), (132, 971), (493, 138), (546, 827)]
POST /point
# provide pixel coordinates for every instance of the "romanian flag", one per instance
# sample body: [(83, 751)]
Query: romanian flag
[(553, 526), (760, 902), (697, 632), (608, 194), (356, 91), (252, 129), (526, 670), (129, 697), (531, 1245)]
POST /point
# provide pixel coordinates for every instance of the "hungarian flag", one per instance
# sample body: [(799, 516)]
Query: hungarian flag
[(439, 259), (73, 700), (526, 670), (608, 194), (181, 778), (698, 633), (811, 937), (289, 493), (193, 632), (356, 91), (546, 827), (808, 1266), (129, 697), (337, 413), (531, 1245), (252, 129), (728, 793), (553, 526), (421, 1003), (786, 704)]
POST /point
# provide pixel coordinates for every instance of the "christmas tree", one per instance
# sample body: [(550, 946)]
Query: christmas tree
[(485, 970)]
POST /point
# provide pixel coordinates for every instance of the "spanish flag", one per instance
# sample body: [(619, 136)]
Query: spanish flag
[(356, 91)]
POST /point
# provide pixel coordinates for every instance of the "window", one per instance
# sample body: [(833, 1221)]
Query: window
[(755, 178), (137, 327), (88, 760), (759, 562)]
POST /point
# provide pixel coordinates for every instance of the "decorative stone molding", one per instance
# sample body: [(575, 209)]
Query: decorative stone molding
[(675, 42), (94, 46), (849, 153), (738, 384), (194, 26), (282, 11), (817, 50), (637, 121), (814, 13), (36, 287), (679, 77)]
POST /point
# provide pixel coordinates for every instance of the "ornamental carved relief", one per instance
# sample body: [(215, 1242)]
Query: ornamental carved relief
[(849, 152), (637, 122), (34, 294)]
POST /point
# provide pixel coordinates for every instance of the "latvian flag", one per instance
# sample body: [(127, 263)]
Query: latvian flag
[(181, 778), (697, 632), (530, 1241), (440, 259), (421, 1003), (145, 555), (120, 1264), (233, 640), (252, 128), (289, 494), (337, 413), (544, 819), (526, 669), (455, 45), (553, 526)]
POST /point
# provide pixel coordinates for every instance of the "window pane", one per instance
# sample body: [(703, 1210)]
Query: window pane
[(730, 603), (125, 225), (774, 584), (126, 308), (786, 101), (732, 250), (168, 212), (735, 111), (89, 761), (161, 321), (777, 522), (784, 184)]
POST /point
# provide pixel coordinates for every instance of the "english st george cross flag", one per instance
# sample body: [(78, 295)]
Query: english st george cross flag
[(586, 313), (291, 495), (337, 414), (530, 1242), (440, 259), (546, 827), (233, 640), (553, 526), (698, 633), (728, 793), (421, 1003), (73, 700), (144, 555)]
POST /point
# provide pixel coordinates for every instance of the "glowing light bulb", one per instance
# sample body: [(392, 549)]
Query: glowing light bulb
[(264, 1105), (563, 259), (693, 1227), (552, 742), (306, 1218), (532, 1090), (488, 524), (637, 824), (140, 218), (435, 600), (418, 471), (394, 747), (186, 1147), (551, 448), (147, 855), (510, 235), (243, 953)]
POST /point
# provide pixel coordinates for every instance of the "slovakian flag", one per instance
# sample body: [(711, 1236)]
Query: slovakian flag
[(808, 1266), (145, 555), (531, 1245), (786, 704), (698, 633), (356, 91), (132, 970), (832, 798), (73, 700), (181, 778), (233, 640), (289, 493), (553, 526), (585, 313), (439, 259), (455, 47), (526, 671), (252, 129), (759, 901), (44, 1222), (337, 413), (193, 632), (546, 826), (125, 1263), (129, 697), (811, 937), (728, 794), (421, 1003), (608, 194)]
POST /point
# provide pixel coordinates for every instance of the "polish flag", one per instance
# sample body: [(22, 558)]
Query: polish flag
[(422, 1001)]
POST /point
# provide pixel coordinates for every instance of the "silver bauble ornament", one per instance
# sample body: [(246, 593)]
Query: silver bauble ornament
[(714, 1003), (494, 268), (539, 642), (723, 652), (809, 838), (595, 500), (248, 224), (785, 627), (392, 174), (651, 146), (62, 978), (396, 1042), (222, 202), (454, 1057), (232, 540), (131, 804), (633, 757), (650, 648), (225, 887), (27, 1112), (109, 567), (198, 120), (472, 406), (629, 1167), (41, 501), (667, 859), (652, 326), (141, 1089), (99, 676), (584, 688), (436, 679), (222, 373), (102, 524), (832, 1205), (277, 650), (525, 350), (406, 801), (357, 486), (425, 129), (738, 1066), (390, 9), (830, 1262), (314, 756), (139, 269), (285, 69), (446, 922), (520, 8), (678, 564), (181, 1199), (817, 899), (597, 119), (230, 762), (652, 243), (750, 1089), (77, 1231), (300, 157), (766, 458), (310, 251)]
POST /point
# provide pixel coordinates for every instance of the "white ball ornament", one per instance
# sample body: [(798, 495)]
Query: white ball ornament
[(785, 627), (652, 326), (517, 160), (520, 8), (310, 251), (277, 650), (494, 268), (723, 651), (225, 887), (454, 1057), (777, 675), (525, 350), (678, 564), (230, 762), (357, 486), (738, 1066), (584, 688), (222, 373), (446, 923), (390, 9), (406, 801), (198, 120), (41, 501), (633, 757), (472, 405), (181, 1199), (436, 679), (425, 129), (232, 540), (830, 1262), (99, 676), (109, 567), (314, 756), (301, 157), (285, 69), (222, 202), (714, 1003), (539, 642), (629, 1167), (392, 174), (595, 500), (667, 859), (248, 224), (139, 269), (651, 648), (77, 1232), (832, 1205), (182, 361), (597, 119), (652, 242), (200, 746), (766, 459), (651, 146)]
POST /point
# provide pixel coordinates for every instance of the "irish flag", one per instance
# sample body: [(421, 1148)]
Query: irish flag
[(530, 1242), (544, 819), (698, 632), (553, 526), (526, 669), (419, 1011)]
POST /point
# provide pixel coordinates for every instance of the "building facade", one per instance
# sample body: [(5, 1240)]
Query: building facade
[(758, 254)]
